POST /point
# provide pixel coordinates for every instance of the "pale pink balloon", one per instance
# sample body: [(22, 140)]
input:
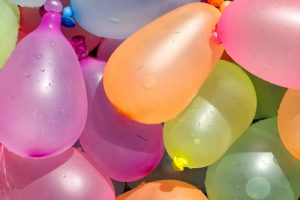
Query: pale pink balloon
[(68, 176), (107, 47), (42, 94), (124, 149), (263, 37), (30, 19)]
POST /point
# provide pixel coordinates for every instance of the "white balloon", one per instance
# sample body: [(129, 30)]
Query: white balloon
[(29, 3)]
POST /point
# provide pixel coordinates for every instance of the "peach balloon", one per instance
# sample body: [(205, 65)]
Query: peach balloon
[(156, 72), (289, 122), (164, 190)]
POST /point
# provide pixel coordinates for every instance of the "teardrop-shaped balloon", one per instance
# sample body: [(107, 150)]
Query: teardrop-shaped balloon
[(29, 3), (165, 171), (9, 25), (42, 93), (263, 37), (223, 109), (156, 72), (63, 177), (164, 190), (256, 167), (289, 121), (118, 19), (124, 149)]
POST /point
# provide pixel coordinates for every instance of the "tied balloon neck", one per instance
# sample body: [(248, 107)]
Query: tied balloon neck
[(179, 163), (79, 45), (215, 36), (216, 3), (66, 12)]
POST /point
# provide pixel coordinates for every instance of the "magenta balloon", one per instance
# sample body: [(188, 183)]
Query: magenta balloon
[(68, 176), (124, 149), (42, 94), (107, 47), (263, 37)]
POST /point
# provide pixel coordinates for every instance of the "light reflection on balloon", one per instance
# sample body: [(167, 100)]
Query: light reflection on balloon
[(223, 109), (161, 64), (44, 108), (118, 18), (256, 167)]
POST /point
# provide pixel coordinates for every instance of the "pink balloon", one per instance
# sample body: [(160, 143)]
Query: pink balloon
[(263, 37), (68, 176), (107, 47), (30, 19), (42, 94), (124, 149)]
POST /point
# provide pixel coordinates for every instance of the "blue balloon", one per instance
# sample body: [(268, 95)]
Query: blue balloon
[(118, 19)]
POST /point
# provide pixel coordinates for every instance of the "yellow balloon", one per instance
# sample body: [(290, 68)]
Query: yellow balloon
[(222, 110), (9, 26)]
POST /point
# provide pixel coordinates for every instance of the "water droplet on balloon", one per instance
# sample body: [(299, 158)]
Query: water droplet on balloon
[(39, 56), (114, 20), (197, 141), (27, 75), (43, 70)]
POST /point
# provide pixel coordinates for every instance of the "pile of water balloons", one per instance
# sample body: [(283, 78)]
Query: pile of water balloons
[(149, 100)]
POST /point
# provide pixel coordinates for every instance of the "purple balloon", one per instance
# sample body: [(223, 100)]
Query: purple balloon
[(107, 47), (68, 176), (124, 149)]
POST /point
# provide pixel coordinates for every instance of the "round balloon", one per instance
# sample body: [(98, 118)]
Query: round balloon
[(118, 19), (164, 190), (124, 149), (154, 74), (245, 29), (66, 176), (165, 171), (223, 109), (256, 167), (29, 3), (9, 21), (42, 93), (289, 121)]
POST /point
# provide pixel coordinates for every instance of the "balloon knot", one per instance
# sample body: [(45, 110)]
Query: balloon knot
[(179, 163), (215, 37), (79, 45), (66, 18), (216, 3)]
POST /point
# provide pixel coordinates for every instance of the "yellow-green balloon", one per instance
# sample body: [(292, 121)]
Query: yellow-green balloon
[(222, 110), (9, 26)]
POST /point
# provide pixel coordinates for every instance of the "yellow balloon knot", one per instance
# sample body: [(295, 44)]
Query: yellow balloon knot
[(179, 163)]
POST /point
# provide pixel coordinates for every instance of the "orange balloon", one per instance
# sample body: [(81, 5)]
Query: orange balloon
[(289, 121), (157, 71), (164, 190)]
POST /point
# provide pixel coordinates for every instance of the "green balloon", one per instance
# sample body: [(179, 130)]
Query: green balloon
[(221, 111), (269, 97), (256, 167)]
